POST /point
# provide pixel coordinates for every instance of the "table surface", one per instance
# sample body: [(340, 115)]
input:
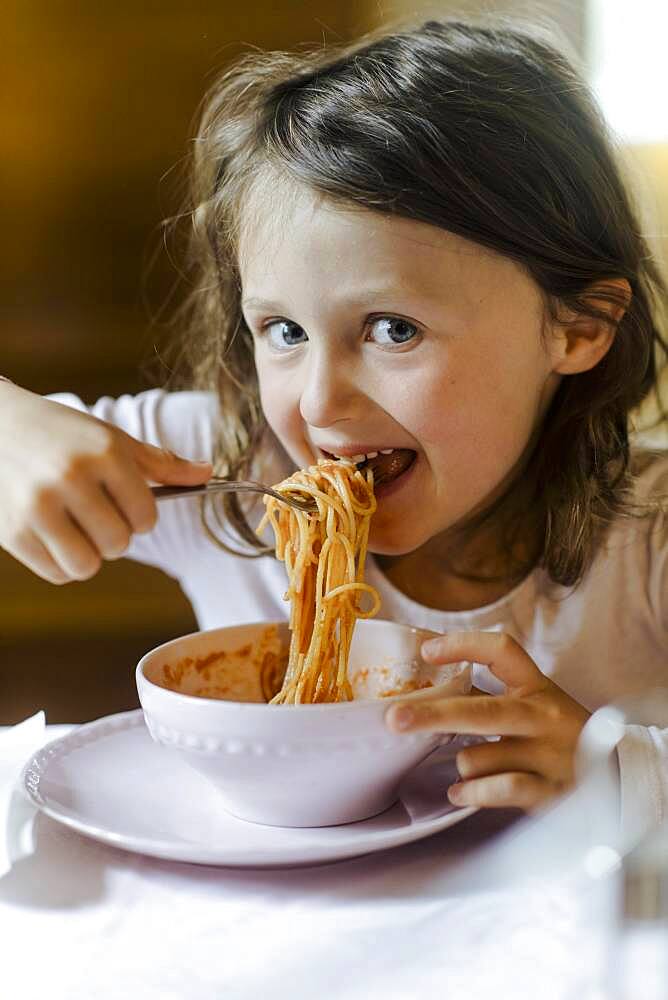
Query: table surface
[(499, 905)]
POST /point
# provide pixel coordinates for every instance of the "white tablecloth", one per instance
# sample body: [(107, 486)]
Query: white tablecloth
[(494, 907)]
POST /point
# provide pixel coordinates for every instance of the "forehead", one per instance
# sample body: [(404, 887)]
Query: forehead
[(287, 231), (284, 222)]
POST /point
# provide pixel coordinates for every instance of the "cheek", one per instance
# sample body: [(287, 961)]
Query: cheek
[(487, 410), (270, 399), (280, 405)]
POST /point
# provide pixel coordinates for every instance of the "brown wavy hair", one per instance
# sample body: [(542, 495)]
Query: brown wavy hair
[(488, 131)]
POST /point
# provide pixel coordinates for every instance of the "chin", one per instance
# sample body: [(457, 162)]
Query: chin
[(388, 543)]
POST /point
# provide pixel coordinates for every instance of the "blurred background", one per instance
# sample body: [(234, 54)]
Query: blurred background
[(98, 104)]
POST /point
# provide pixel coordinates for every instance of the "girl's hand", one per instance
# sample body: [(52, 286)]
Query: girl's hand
[(539, 725), (74, 489)]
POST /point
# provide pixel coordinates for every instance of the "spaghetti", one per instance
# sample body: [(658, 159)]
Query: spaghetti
[(324, 556)]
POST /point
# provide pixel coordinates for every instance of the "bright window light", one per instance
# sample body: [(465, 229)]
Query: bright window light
[(628, 66)]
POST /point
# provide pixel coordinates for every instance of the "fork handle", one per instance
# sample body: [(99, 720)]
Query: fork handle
[(231, 486), (212, 486)]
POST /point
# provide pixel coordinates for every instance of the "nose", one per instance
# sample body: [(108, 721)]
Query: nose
[(328, 392)]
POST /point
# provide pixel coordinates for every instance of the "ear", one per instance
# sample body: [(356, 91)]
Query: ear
[(579, 342)]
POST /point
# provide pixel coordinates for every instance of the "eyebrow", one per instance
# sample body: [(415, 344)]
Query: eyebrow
[(258, 303), (364, 298)]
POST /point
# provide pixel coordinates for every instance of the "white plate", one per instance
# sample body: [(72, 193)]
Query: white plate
[(110, 781)]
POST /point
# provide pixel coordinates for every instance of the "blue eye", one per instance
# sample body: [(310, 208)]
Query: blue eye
[(391, 331), (283, 334)]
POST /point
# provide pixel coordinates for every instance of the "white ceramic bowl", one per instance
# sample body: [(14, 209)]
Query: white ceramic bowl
[(291, 765)]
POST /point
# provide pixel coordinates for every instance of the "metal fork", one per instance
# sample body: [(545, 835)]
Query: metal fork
[(217, 485)]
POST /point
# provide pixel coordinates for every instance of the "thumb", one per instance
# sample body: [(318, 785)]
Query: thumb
[(504, 656), (162, 466)]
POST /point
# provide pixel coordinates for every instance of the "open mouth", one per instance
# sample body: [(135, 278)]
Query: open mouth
[(387, 465)]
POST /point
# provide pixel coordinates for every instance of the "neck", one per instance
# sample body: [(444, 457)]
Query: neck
[(474, 563), (428, 578)]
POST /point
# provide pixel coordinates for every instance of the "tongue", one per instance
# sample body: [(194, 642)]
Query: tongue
[(388, 467)]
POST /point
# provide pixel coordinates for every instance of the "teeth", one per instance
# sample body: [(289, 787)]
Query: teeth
[(356, 459)]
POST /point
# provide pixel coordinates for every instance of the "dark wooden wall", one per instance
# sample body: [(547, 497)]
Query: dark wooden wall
[(98, 104)]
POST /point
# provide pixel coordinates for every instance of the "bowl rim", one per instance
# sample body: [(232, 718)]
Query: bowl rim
[(355, 705)]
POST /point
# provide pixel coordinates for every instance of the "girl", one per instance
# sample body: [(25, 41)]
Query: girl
[(418, 244)]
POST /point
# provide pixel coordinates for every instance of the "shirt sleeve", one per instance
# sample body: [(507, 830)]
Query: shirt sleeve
[(643, 768), (185, 423), (653, 484), (642, 752), (658, 582)]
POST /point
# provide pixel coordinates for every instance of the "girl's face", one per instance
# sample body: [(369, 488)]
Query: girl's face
[(374, 332)]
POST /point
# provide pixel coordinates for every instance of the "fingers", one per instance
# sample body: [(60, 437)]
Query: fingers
[(93, 518), (76, 487), (29, 550), (65, 542), (538, 722), (513, 789), (95, 513), (163, 466), (484, 715), (70, 538), (499, 651), (511, 754), (132, 497), (91, 523)]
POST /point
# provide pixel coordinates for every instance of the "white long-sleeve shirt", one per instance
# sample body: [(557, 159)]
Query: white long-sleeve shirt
[(603, 641)]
